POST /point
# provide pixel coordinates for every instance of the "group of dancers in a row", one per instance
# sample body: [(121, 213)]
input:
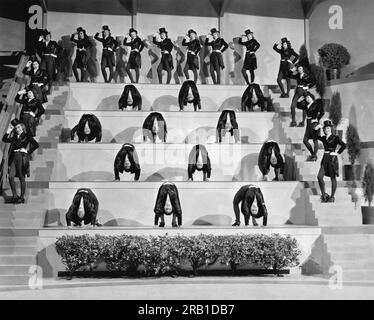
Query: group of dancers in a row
[(49, 51)]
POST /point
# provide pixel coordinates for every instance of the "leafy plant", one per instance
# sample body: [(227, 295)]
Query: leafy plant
[(319, 76), (198, 250), (78, 251), (353, 143), (334, 56), (335, 109), (368, 182)]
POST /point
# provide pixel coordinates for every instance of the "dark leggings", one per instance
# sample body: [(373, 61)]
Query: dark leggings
[(312, 151), (15, 166), (215, 67), (107, 63), (84, 74), (280, 84), (252, 72), (321, 183), (137, 74), (164, 65), (49, 65), (194, 70)]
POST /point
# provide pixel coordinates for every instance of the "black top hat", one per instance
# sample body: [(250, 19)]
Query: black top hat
[(81, 29), (284, 40), (247, 32), (162, 30), (14, 122), (105, 28), (191, 31), (45, 32), (308, 93), (132, 30), (327, 123), (213, 31)]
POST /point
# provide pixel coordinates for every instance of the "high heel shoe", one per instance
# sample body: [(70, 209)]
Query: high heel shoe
[(236, 224), (20, 200)]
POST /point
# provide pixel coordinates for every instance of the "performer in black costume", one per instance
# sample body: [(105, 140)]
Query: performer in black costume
[(130, 98), (270, 155), (199, 160), (193, 48), (249, 207), (329, 163), (84, 208), (83, 43), (219, 46), (154, 127), (252, 95), (38, 79), (162, 41), (50, 51), (32, 109), (167, 203), (304, 82), (127, 160), (88, 128), (108, 56), (135, 60), (22, 146), (313, 110), (288, 58), (227, 123), (188, 93), (250, 61)]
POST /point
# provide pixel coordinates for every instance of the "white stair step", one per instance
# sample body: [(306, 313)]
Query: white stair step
[(9, 270), (17, 250), (18, 260), (14, 279), (18, 241)]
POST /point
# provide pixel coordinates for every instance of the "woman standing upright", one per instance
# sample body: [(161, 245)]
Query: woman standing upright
[(22, 146), (219, 46), (250, 61), (162, 41), (288, 57), (135, 61), (82, 41), (109, 47), (193, 48), (49, 50), (330, 163)]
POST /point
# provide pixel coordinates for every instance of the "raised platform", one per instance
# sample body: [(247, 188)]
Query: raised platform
[(47, 257), (203, 203), (186, 127), (230, 162), (104, 96)]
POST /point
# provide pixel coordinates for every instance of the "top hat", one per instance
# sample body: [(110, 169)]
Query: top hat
[(14, 122), (308, 93), (327, 123), (105, 28), (284, 40), (45, 32), (213, 31), (191, 31), (247, 32), (162, 30), (81, 29), (132, 30)]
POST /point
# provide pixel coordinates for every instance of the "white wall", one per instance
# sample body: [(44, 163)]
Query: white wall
[(177, 27), (12, 35), (267, 31), (63, 24)]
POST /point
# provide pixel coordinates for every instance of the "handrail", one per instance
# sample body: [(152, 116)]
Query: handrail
[(11, 110)]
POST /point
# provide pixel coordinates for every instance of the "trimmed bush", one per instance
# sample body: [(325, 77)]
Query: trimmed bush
[(163, 254), (335, 109), (353, 143), (368, 183), (334, 56)]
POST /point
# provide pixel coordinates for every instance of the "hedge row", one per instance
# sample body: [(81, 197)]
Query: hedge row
[(159, 255)]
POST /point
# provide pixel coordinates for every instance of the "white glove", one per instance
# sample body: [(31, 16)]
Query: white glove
[(23, 150), (9, 130), (333, 153), (41, 38), (28, 64)]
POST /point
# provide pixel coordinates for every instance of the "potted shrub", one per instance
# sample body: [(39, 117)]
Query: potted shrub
[(336, 111), (368, 188), (352, 171), (334, 57)]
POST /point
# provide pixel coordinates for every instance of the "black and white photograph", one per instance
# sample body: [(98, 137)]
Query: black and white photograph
[(201, 151)]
